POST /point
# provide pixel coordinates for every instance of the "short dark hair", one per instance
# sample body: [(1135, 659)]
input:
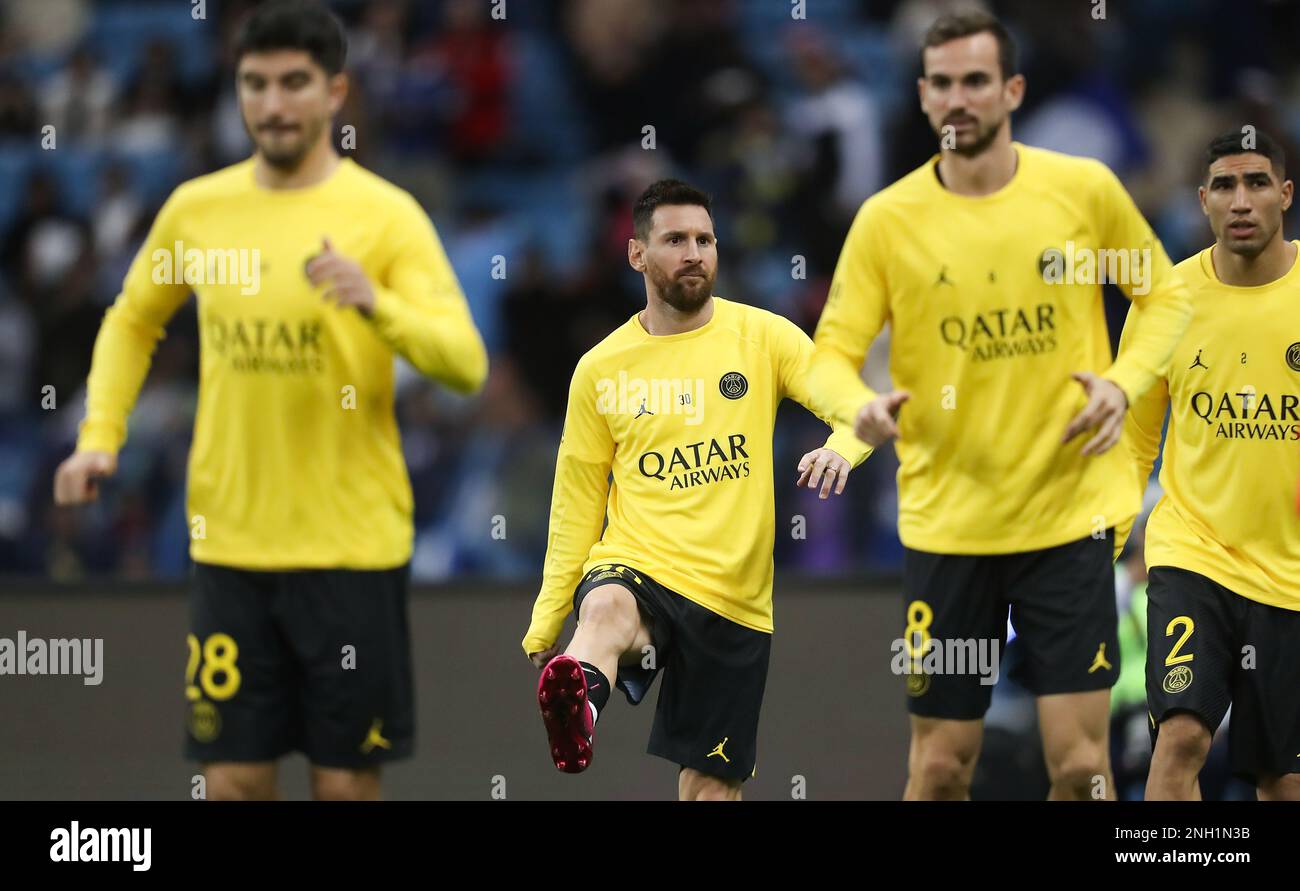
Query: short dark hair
[(1240, 142), (295, 25), (963, 24), (657, 194)]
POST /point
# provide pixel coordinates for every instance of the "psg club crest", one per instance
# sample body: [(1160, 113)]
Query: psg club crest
[(205, 721), (733, 385), (1178, 679), (1293, 356)]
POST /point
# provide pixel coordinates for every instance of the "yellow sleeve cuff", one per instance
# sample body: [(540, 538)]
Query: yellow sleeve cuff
[(846, 443), (99, 437), (1133, 381)]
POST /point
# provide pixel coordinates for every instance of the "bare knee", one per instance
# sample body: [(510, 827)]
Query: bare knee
[(613, 610), (1080, 767), (335, 784), (942, 773), (695, 786), (240, 782), (1183, 743), (1283, 788), (941, 765)]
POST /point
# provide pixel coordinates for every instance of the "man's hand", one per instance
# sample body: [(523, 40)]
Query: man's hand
[(540, 659), (345, 281), (827, 467), (77, 479), (875, 425), (1105, 409)]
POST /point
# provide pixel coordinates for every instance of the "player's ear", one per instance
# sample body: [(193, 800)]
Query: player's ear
[(1200, 193), (1288, 192), (1015, 91), (636, 255), (338, 90)]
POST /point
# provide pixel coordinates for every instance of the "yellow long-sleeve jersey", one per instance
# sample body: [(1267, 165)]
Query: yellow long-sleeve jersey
[(685, 423), (1232, 451), (296, 460), (992, 303)]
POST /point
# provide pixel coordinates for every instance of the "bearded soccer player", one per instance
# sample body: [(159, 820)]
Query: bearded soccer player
[(679, 403), (299, 501), (984, 263), (1223, 543)]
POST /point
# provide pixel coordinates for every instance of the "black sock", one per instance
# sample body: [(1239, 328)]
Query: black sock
[(597, 686)]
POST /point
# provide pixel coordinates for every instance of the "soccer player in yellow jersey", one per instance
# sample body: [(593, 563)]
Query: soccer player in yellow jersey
[(985, 263), (679, 404), (311, 274), (1223, 543)]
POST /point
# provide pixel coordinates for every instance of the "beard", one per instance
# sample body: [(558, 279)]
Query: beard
[(684, 295), (983, 139), (286, 155)]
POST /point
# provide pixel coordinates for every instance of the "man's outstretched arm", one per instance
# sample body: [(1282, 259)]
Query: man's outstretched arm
[(151, 293), (578, 504)]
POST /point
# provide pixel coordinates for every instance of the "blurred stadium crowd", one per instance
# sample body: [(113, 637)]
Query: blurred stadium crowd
[(525, 140)]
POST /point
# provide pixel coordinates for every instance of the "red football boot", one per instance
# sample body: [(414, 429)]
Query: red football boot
[(562, 696)]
